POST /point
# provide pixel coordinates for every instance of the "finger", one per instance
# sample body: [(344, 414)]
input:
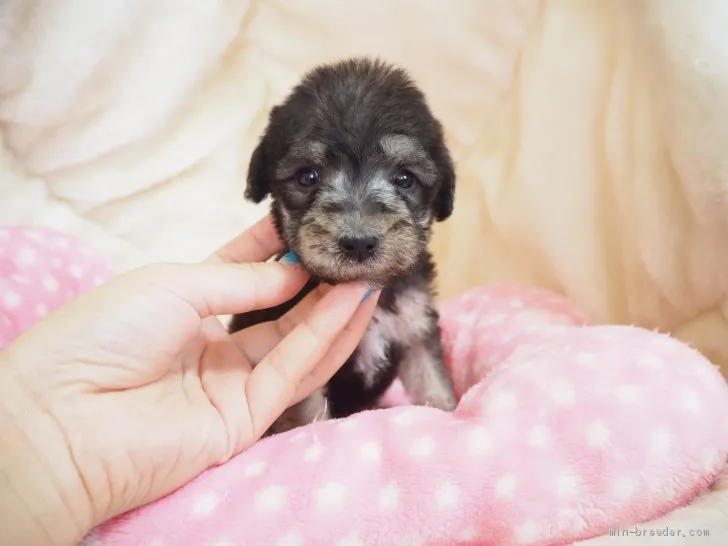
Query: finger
[(340, 351), (274, 381), (224, 289), (256, 244), (257, 341)]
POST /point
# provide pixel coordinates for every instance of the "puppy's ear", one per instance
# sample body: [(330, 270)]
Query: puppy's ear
[(257, 185), (445, 197)]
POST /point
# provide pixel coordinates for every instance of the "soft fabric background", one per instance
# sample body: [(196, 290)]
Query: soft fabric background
[(590, 137)]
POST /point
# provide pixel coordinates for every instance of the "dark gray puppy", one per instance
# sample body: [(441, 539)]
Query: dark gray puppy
[(358, 170)]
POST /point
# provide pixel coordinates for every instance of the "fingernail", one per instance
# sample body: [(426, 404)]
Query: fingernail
[(369, 293), (290, 258)]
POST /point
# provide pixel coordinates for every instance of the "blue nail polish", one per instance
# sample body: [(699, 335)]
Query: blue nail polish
[(290, 258), (369, 293)]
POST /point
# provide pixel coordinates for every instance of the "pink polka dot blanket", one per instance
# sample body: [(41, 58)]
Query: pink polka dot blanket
[(563, 431)]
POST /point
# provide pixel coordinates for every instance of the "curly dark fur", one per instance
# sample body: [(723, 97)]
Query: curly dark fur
[(358, 171)]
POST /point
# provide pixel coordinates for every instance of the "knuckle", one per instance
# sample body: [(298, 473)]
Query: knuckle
[(259, 237), (311, 333), (277, 365)]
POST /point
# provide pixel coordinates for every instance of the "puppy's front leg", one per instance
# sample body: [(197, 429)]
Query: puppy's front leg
[(310, 409), (424, 375)]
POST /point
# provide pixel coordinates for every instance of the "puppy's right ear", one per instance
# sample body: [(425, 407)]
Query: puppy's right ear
[(257, 187)]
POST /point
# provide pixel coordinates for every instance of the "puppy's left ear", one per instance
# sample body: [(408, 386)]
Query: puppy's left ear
[(445, 197)]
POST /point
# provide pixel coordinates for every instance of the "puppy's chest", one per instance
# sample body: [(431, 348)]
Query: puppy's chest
[(402, 324)]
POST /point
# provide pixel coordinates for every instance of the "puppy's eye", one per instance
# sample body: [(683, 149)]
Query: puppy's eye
[(404, 179), (307, 177)]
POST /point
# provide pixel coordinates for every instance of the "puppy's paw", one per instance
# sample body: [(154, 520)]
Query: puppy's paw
[(443, 399), (307, 411)]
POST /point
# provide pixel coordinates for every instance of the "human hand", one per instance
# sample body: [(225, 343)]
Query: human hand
[(134, 388)]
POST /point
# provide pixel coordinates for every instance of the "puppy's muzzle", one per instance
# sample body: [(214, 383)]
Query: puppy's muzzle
[(359, 248)]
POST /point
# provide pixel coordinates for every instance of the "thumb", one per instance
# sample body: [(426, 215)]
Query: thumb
[(225, 288)]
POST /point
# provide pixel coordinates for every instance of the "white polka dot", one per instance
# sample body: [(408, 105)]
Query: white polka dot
[(479, 440), (56, 263), (527, 532), (156, 542), (350, 540), (504, 400), (598, 435), (371, 451), (20, 279), (27, 256), (423, 447), (50, 284), (270, 499), (466, 319), (515, 304), (562, 393), (447, 496), (347, 424), (330, 495), (224, 542), (98, 281), (506, 485), (403, 417), (313, 453), (649, 360), (389, 497), (34, 236), (623, 488), (586, 358), (11, 300), (538, 436), (660, 442), (567, 485), (690, 401), (627, 394), (535, 321), (255, 468), (4, 234), (299, 436), (205, 504), (493, 320), (76, 271), (468, 534), (290, 539), (62, 243)]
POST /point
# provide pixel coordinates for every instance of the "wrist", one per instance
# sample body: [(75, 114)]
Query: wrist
[(43, 499)]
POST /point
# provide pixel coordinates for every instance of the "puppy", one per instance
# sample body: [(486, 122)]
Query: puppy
[(358, 171)]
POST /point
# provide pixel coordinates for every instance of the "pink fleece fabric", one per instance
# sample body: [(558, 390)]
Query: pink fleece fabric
[(563, 431)]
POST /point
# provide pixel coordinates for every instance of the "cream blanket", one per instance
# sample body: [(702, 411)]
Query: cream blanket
[(590, 136)]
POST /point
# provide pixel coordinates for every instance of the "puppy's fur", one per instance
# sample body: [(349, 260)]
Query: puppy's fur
[(358, 171)]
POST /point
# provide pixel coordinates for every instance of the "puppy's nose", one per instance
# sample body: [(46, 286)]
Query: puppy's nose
[(359, 248)]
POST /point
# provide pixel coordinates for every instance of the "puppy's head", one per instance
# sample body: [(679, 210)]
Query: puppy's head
[(358, 170)]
